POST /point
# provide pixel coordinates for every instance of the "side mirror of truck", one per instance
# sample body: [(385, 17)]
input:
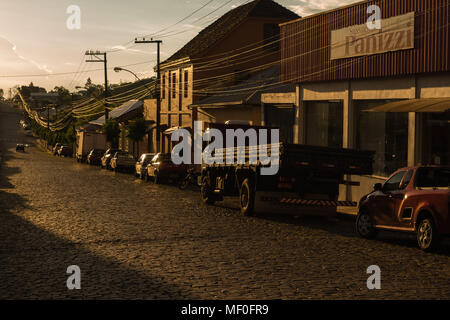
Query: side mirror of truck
[(377, 187)]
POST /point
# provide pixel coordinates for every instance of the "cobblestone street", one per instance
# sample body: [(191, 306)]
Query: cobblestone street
[(137, 240)]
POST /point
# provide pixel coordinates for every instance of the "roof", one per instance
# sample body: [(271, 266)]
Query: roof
[(88, 127), (219, 29), (324, 12), (249, 91), (118, 112), (415, 105)]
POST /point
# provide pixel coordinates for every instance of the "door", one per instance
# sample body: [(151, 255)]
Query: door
[(388, 200)]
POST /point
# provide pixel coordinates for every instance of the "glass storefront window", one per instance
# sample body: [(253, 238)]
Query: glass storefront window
[(324, 123), (436, 139), (282, 117), (386, 133)]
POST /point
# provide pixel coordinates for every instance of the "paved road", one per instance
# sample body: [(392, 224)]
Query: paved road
[(133, 239)]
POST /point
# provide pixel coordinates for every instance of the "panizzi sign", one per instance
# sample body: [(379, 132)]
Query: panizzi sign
[(396, 33)]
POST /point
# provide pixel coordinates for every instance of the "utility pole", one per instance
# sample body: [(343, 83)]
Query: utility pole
[(95, 57), (48, 116), (158, 89)]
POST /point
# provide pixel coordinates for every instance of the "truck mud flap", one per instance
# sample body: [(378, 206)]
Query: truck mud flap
[(317, 203), (269, 202)]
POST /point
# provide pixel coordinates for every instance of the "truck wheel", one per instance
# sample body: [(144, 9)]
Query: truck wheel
[(207, 195), (364, 225), (247, 198), (427, 235)]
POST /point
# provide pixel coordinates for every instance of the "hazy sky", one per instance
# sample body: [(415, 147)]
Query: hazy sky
[(35, 40)]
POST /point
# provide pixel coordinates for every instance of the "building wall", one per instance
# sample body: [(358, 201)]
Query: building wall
[(216, 70), (213, 69), (424, 86), (177, 96), (241, 112), (306, 54)]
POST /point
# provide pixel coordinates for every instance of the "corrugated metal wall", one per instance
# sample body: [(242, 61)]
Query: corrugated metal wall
[(306, 43)]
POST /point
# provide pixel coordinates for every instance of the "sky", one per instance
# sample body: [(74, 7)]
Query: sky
[(36, 44)]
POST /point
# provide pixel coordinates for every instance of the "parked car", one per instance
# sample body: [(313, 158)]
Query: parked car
[(141, 165), (24, 125), (106, 158), (95, 157), (20, 147), (162, 168), (56, 148), (86, 141), (412, 200), (65, 151), (123, 161)]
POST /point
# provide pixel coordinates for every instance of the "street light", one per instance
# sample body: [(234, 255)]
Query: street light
[(118, 69)]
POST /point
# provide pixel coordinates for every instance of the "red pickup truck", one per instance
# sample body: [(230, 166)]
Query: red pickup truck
[(413, 200)]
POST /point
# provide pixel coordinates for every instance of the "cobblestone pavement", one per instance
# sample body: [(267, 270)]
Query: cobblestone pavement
[(135, 240)]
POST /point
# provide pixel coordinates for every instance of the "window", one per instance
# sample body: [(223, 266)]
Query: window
[(324, 123), (407, 179), (163, 87), (271, 35), (394, 182), (186, 81), (433, 178), (169, 89), (174, 85), (283, 117), (436, 139), (386, 133)]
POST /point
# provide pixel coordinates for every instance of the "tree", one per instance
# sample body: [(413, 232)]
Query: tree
[(64, 97), (136, 130), (93, 90), (70, 135), (1, 94), (112, 131)]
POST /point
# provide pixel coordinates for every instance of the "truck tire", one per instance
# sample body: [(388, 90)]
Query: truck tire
[(206, 192), (247, 198)]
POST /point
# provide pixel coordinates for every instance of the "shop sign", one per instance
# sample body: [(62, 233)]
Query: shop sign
[(396, 33)]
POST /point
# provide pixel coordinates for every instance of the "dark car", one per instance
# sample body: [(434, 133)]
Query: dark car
[(95, 157), (141, 165), (65, 151), (106, 158), (412, 200), (20, 147), (162, 168), (56, 148)]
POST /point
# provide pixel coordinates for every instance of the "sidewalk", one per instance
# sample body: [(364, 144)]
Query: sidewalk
[(350, 212)]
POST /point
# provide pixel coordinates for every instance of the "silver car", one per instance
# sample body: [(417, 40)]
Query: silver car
[(122, 161), (141, 165)]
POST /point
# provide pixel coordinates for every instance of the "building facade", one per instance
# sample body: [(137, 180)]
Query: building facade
[(241, 42), (386, 90)]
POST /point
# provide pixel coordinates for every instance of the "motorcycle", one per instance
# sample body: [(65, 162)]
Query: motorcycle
[(191, 178)]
